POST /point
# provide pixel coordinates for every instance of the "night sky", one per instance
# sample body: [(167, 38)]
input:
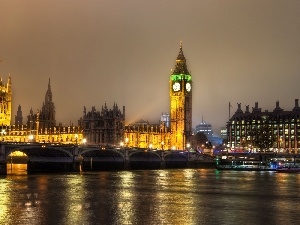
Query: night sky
[(122, 51)]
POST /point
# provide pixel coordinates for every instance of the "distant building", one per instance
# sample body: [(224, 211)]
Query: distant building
[(206, 128), (224, 133), (281, 128), (165, 117)]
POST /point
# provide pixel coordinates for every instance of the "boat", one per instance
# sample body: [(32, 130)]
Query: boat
[(289, 170), (245, 168)]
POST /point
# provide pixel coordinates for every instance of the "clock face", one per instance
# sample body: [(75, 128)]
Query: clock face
[(188, 87), (176, 86)]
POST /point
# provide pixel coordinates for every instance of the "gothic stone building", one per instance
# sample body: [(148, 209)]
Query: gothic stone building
[(142, 134), (5, 102), (40, 126), (105, 127)]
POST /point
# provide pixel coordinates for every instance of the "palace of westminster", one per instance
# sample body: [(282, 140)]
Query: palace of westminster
[(174, 131), (107, 126)]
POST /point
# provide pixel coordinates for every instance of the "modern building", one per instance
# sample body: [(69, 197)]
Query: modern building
[(206, 128), (224, 133), (175, 129), (165, 117), (277, 130), (105, 127)]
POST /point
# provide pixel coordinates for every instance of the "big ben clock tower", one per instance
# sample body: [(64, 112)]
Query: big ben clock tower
[(180, 103)]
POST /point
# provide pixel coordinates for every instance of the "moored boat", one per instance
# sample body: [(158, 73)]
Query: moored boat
[(289, 170)]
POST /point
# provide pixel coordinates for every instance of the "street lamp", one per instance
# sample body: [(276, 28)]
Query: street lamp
[(188, 145), (3, 133), (76, 138), (30, 138)]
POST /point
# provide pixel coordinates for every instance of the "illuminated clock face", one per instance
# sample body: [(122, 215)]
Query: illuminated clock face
[(188, 87), (176, 86)]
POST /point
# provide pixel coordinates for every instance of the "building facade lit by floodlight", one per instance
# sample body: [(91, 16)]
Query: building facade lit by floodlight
[(5, 102)]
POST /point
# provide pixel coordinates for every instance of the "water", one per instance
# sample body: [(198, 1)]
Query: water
[(182, 196)]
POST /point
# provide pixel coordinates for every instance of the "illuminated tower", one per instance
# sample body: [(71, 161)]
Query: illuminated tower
[(46, 117), (5, 103), (19, 118), (181, 103)]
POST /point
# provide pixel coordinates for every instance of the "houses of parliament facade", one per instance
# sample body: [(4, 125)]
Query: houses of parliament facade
[(107, 126)]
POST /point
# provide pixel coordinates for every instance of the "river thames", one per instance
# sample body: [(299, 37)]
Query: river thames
[(177, 197)]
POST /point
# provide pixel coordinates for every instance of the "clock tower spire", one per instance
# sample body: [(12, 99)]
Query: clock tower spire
[(180, 103)]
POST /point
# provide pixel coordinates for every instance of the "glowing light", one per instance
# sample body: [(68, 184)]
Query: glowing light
[(30, 137)]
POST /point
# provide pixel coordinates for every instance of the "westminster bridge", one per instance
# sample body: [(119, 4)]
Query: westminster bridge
[(75, 158)]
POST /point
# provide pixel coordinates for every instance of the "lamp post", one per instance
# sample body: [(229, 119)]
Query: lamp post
[(150, 146), (76, 138), (188, 145), (30, 138), (3, 133)]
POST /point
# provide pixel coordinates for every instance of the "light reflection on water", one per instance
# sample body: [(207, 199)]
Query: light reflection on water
[(187, 196)]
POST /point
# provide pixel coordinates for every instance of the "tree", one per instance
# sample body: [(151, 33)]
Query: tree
[(200, 139)]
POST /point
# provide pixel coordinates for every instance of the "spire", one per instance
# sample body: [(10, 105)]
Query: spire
[(180, 67), (48, 96), (49, 87), (180, 56)]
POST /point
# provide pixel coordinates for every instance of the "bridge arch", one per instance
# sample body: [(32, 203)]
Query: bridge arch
[(41, 157), (145, 159), (101, 159), (176, 159), (98, 152)]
